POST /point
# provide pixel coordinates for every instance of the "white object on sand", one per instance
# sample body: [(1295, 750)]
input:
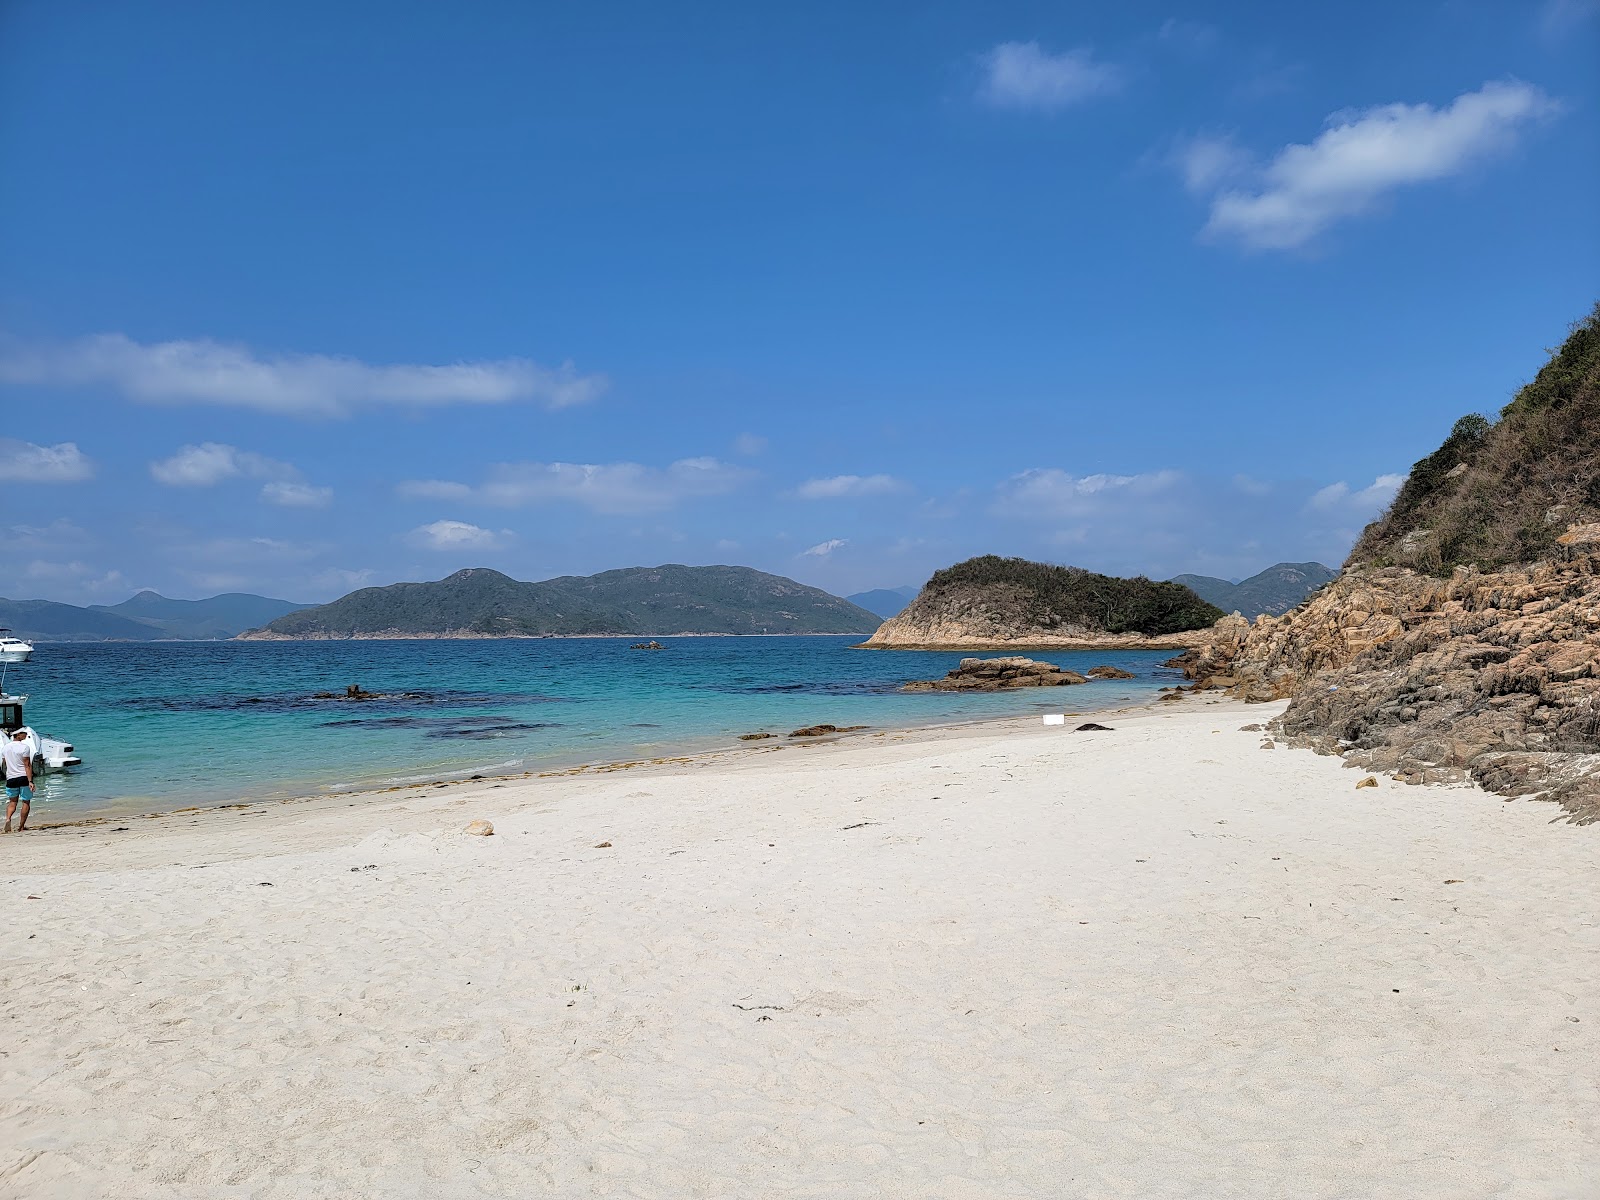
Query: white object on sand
[(1055, 718)]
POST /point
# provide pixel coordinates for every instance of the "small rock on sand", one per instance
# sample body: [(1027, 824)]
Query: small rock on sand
[(479, 829), (1369, 781)]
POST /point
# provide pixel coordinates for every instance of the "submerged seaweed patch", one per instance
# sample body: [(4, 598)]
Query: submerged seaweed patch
[(291, 701), (829, 687), (483, 728)]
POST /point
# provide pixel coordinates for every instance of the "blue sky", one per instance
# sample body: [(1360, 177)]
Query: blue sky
[(297, 297)]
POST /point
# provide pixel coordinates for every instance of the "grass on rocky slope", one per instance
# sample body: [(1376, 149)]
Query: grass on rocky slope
[(1497, 493)]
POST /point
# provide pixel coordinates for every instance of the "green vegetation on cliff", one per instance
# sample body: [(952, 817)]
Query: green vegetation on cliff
[(1046, 597), (1502, 492), (629, 602)]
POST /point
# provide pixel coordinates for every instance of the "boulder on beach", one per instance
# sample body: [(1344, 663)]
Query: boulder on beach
[(479, 829), (997, 674)]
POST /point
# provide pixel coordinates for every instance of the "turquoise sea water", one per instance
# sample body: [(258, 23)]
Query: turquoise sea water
[(165, 725)]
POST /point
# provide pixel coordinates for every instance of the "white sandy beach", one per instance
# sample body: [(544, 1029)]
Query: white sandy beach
[(1007, 961)]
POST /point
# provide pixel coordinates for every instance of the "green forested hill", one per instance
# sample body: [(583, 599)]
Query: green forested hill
[(633, 601), (1273, 591)]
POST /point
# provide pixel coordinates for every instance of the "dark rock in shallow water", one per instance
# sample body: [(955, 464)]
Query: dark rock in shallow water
[(997, 674), (1109, 673), (821, 730), (756, 737), (651, 645)]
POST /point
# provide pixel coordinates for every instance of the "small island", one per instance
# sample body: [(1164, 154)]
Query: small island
[(992, 602)]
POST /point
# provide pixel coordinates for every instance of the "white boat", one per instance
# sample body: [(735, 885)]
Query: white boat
[(49, 754), (14, 650)]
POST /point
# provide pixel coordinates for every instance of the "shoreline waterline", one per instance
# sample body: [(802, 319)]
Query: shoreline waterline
[(682, 756), (168, 726)]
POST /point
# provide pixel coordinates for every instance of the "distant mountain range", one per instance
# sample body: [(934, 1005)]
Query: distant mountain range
[(886, 602), (1274, 591), (145, 617), (670, 599)]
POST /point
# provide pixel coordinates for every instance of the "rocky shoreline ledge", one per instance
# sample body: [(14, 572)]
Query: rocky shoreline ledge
[(1492, 676)]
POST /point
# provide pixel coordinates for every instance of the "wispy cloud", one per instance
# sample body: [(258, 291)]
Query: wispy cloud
[(1560, 19), (1188, 37), (1358, 160), (287, 493), (300, 385), (24, 462), (838, 487), (457, 535), (341, 579), (1026, 76), (210, 463), (1207, 161), (1364, 503), (749, 444), (1051, 493), (77, 575), (611, 488), (824, 549)]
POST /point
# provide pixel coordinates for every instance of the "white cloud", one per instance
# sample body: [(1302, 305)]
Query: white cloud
[(24, 462), (749, 444), (611, 488), (456, 535), (1049, 493), (289, 494), (1022, 75), (302, 385), (841, 486), (823, 549), (1362, 157), (1367, 502)]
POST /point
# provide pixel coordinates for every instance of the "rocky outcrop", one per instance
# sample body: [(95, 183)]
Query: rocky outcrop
[(996, 675), (1489, 675)]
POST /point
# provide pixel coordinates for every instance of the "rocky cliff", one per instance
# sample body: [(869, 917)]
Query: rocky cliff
[(1462, 663), (995, 603)]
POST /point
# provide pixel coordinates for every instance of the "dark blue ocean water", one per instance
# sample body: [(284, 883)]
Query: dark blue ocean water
[(162, 725)]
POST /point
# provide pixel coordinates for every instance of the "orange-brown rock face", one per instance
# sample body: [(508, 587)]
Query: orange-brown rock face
[(1495, 675)]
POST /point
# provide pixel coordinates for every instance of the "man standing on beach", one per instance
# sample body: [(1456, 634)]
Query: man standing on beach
[(17, 757)]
